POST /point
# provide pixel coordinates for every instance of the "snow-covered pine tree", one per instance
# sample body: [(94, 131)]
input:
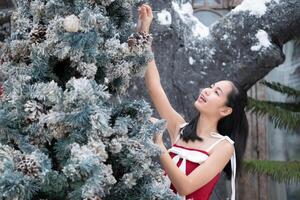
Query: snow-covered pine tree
[(65, 131)]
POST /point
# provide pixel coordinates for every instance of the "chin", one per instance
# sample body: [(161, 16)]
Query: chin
[(197, 105)]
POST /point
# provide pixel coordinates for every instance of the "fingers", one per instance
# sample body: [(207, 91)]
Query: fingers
[(148, 9), (153, 120), (142, 10), (145, 9), (158, 137)]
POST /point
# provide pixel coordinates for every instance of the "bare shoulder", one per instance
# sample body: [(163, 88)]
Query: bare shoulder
[(224, 146)]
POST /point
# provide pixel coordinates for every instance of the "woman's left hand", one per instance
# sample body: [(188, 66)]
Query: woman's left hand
[(157, 138)]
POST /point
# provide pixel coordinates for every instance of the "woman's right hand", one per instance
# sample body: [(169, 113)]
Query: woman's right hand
[(145, 18)]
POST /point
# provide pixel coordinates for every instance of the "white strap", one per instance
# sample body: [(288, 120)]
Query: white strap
[(177, 138), (232, 160), (233, 167), (183, 125), (214, 144)]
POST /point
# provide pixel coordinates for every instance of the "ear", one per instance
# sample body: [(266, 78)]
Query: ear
[(225, 110)]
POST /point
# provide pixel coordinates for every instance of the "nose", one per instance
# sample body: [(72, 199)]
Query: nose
[(206, 91)]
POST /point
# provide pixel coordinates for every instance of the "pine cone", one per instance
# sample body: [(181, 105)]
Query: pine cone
[(28, 166), (17, 51), (102, 2), (40, 138), (37, 141), (38, 34), (35, 109), (59, 130), (139, 41)]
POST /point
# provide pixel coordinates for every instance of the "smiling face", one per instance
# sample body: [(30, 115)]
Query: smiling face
[(212, 100)]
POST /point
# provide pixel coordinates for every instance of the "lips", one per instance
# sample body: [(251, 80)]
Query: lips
[(202, 98)]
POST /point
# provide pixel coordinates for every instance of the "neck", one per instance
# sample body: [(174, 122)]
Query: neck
[(206, 125)]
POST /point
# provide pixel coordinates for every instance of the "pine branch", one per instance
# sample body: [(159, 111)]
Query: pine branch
[(290, 106), (282, 118), (281, 171), (289, 91)]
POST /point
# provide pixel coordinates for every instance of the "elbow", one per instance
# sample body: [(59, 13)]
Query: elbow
[(184, 190), (181, 193)]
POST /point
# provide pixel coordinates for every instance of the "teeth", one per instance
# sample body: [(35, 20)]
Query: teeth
[(202, 99)]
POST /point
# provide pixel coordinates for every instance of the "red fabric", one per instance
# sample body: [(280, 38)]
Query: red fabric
[(205, 191)]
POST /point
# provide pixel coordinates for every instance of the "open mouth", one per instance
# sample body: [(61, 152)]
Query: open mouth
[(202, 98)]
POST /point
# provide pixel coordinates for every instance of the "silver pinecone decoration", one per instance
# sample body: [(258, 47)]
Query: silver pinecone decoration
[(59, 130), (34, 110), (38, 34), (104, 2), (28, 166), (139, 41)]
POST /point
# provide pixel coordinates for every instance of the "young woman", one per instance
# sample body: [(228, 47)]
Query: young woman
[(202, 148)]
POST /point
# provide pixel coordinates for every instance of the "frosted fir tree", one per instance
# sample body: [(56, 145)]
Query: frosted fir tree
[(65, 131)]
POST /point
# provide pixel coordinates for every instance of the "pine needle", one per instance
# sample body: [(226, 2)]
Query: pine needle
[(281, 171)]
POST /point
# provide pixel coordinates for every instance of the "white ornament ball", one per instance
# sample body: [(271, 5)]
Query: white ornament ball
[(71, 23)]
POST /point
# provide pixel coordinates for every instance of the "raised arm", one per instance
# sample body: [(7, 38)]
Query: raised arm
[(153, 84), (161, 101)]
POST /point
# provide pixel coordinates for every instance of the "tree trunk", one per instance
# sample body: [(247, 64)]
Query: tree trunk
[(243, 45)]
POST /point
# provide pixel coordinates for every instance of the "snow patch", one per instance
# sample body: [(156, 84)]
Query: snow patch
[(202, 72), (164, 17), (225, 36), (185, 12), (191, 60), (223, 63), (263, 40), (256, 7)]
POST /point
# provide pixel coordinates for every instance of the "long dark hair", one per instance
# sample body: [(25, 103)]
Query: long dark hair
[(234, 125)]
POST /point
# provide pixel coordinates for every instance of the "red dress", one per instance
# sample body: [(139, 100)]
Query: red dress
[(187, 159)]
